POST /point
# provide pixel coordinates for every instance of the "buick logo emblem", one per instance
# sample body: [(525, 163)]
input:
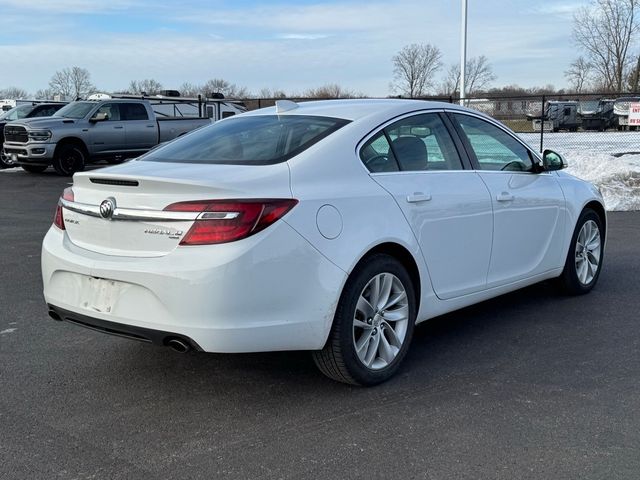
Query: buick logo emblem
[(107, 207)]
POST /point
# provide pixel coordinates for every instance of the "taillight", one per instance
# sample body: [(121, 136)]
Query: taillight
[(222, 221), (58, 219)]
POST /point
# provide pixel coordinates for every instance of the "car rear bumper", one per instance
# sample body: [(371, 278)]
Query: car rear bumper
[(272, 291), (157, 337)]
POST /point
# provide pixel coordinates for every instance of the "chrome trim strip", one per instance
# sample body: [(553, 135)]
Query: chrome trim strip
[(218, 215), (130, 213)]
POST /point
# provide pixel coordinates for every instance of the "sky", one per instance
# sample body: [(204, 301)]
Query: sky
[(283, 44)]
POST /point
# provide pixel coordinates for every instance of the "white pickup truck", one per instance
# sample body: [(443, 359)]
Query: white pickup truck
[(112, 129)]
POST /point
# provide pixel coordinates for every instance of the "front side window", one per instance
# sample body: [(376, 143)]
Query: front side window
[(494, 148), (44, 111), (418, 143), (248, 140), (112, 111)]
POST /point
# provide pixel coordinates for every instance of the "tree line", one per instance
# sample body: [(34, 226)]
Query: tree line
[(75, 82)]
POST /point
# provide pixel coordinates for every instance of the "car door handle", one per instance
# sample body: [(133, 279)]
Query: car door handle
[(151, 126), (504, 197), (418, 197), (118, 127)]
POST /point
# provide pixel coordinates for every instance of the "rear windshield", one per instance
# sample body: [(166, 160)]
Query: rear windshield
[(250, 140)]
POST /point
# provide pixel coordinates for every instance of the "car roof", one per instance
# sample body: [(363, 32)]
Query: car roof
[(356, 109)]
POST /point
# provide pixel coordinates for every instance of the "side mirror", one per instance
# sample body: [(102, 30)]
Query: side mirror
[(99, 117), (552, 161)]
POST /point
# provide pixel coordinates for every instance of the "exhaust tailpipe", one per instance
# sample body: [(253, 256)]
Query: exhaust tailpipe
[(178, 345), (55, 316)]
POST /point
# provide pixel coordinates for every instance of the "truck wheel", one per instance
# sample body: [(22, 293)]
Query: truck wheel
[(3, 162), (34, 168), (68, 160)]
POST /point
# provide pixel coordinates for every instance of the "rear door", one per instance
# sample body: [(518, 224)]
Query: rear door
[(107, 137), (528, 207), (141, 132), (449, 208)]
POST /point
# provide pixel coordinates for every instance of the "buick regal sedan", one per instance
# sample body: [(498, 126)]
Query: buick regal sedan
[(330, 226)]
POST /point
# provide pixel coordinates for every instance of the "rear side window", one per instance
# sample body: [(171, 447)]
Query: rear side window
[(133, 111), (250, 140), (417, 143)]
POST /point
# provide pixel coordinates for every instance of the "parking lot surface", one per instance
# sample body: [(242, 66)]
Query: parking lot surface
[(529, 385)]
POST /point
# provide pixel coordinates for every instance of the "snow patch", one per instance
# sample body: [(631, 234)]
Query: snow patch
[(609, 160)]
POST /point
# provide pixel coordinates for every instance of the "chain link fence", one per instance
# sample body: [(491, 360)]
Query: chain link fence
[(590, 122)]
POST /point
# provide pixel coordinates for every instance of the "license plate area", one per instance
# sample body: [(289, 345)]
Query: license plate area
[(99, 294)]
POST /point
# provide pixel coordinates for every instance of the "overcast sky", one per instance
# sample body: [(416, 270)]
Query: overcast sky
[(291, 45)]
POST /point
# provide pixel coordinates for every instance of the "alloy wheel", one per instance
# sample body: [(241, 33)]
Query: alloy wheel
[(588, 252), (380, 321)]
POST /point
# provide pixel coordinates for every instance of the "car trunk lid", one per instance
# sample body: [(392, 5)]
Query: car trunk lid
[(121, 210)]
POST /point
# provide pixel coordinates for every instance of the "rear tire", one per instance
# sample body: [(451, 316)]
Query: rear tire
[(34, 168), (68, 160), (586, 253), (373, 325)]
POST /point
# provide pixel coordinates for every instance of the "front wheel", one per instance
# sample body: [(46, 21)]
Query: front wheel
[(373, 324), (584, 260), (68, 160)]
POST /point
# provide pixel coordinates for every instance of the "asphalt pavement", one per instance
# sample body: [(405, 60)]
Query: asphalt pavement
[(531, 385)]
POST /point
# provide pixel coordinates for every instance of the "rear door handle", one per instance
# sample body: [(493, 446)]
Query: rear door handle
[(118, 127), (418, 197), (504, 197)]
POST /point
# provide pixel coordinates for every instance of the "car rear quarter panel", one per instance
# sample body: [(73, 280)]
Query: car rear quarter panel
[(330, 173)]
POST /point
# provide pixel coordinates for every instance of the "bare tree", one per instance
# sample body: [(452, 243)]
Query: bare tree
[(414, 68), (478, 77), (219, 85), (269, 93), (330, 90), (13, 93), (579, 74), (44, 94), (74, 82), (605, 30), (148, 86), (190, 90), (633, 79)]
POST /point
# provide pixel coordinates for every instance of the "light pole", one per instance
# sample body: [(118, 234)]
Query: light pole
[(463, 51)]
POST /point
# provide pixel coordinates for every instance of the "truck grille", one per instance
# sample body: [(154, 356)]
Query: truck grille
[(15, 134)]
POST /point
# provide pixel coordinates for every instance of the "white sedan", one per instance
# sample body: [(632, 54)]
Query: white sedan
[(329, 226)]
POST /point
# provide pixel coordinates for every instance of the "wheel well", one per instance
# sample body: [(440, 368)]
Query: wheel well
[(599, 209), (75, 142), (405, 258)]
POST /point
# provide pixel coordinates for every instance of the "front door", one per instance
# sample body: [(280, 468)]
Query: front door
[(529, 207), (107, 137)]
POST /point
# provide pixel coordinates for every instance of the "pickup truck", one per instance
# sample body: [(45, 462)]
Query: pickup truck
[(29, 110), (84, 131)]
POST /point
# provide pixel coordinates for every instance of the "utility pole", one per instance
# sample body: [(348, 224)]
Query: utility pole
[(463, 51)]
